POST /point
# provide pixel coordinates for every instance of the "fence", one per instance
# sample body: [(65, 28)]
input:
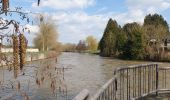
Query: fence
[(133, 82)]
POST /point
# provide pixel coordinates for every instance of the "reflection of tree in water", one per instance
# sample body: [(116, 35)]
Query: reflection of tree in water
[(35, 75)]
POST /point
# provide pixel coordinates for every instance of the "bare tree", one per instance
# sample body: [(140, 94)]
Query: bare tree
[(92, 43), (46, 38)]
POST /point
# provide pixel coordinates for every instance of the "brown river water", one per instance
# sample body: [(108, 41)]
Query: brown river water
[(85, 71)]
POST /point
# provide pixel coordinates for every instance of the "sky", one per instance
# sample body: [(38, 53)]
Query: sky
[(77, 19)]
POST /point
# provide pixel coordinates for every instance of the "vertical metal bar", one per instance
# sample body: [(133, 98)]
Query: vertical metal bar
[(106, 94), (154, 77), (111, 91), (115, 88), (140, 81), (133, 81), (127, 85), (151, 77), (120, 75), (107, 91), (103, 98), (143, 71), (148, 79), (157, 81), (123, 85), (145, 79), (165, 78)]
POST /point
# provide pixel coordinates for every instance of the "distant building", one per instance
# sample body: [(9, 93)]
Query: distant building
[(167, 43), (9, 50)]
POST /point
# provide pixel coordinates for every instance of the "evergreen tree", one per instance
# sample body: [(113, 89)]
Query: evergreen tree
[(120, 41), (133, 49), (107, 44), (155, 20), (155, 27)]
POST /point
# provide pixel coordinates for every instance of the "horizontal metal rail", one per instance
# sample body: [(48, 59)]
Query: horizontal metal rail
[(83, 95)]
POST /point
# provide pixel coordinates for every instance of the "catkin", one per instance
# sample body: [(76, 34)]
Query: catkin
[(15, 55), (5, 5), (22, 50)]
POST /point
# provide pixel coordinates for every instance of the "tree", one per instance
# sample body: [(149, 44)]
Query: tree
[(81, 46), (155, 28), (16, 37), (69, 47), (91, 43), (107, 44), (46, 38), (133, 49), (121, 42)]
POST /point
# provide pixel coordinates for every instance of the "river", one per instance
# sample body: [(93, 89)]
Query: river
[(90, 71), (85, 71)]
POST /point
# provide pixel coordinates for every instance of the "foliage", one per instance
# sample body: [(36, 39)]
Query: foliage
[(155, 20), (121, 42), (157, 29), (69, 47), (46, 38), (91, 43), (134, 41), (108, 42), (81, 46), (133, 49)]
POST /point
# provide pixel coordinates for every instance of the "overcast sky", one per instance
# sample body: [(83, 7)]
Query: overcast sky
[(76, 19)]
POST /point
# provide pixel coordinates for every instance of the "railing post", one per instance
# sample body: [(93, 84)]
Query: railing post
[(157, 79), (115, 88)]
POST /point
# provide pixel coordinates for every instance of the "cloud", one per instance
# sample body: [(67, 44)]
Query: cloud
[(65, 4), (32, 28), (138, 9), (30, 36), (77, 26), (151, 6)]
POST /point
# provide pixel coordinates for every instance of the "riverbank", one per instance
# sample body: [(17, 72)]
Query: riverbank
[(165, 59)]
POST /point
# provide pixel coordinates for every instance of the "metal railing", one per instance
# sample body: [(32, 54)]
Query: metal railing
[(137, 81), (164, 80), (108, 91), (133, 82)]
